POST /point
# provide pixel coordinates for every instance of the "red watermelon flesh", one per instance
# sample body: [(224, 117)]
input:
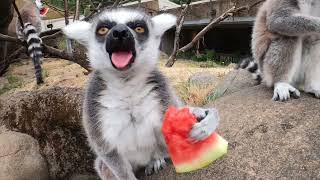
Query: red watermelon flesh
[(44, 11), (186, 155)]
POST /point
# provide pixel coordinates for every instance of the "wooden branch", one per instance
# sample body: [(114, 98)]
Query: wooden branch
[(91, 3), (216, 21), (66, 12), (52, 36), (16, 53), (255, 4), (18, 13), (76, 14), (9, 60), (124, 2), (228, 13), (48, 32), (78, 57), (93, 12), (8, 38), (222, 17), (115, 4), (181, 19)]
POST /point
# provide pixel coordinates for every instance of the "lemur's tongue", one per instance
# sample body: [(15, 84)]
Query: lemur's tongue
[(121, 59)]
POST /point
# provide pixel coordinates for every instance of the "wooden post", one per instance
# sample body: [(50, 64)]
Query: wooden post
[(66, 19), (6, 15)]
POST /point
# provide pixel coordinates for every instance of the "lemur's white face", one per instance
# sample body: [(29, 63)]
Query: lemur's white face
[(122, 40)]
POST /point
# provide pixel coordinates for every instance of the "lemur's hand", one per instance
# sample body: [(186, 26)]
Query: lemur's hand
[(208, 121)]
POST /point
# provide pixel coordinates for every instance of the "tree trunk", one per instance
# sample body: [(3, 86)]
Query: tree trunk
[(77, 13), (180, 22), (66, 18), (6, 15)]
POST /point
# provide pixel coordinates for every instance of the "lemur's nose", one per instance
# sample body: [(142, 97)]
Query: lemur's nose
[(120, 32)]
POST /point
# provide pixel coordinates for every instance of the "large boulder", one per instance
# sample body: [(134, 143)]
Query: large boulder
[(268, 139), (20, 157), (203, 79), (53, 118), (234, 81)]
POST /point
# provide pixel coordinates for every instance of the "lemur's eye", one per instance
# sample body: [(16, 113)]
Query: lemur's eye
[(139, 29), (103, 31)]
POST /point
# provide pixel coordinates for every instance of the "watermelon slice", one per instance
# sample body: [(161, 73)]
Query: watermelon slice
[(188, 156), (44, 11)]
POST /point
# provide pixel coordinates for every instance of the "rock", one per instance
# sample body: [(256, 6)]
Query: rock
[(232, 65), (267, 139), (234, 81), (3, 82), (20, 157), (84, 177), (202, 79), (53, 117)]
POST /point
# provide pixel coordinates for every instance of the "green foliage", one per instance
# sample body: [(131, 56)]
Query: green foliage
[(13, 83), (211, 56), (216, 94), (207, 56), (44, 73), (62, 43)]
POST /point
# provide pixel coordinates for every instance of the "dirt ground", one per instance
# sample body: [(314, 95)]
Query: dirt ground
[(62, 73)]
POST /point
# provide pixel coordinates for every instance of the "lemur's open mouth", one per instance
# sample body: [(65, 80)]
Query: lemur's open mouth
[(122, 60), (120, 45)]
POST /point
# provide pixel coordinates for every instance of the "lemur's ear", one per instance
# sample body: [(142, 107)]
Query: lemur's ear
[(79, 31), (163, 22)]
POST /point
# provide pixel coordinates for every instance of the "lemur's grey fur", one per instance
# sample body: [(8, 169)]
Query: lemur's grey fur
[(286, 47), (123, 108), (30, 14)]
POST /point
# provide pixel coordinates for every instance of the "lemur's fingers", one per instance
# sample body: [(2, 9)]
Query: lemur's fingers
[(155, 166), (198, 133), (294, 92), (282, 92), (207, 124), (199, 113)]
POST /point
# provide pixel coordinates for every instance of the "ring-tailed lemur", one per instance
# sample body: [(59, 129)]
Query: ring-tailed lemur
[(127, 96), (30, 14), (286, 47)]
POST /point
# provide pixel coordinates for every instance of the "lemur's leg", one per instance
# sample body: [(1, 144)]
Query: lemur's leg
[(208, 122), (281, 63), (103, 171), (155, 166), (312, 69), (113, 166)]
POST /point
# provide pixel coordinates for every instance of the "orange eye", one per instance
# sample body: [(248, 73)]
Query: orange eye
[(103, 31), (139, 29)]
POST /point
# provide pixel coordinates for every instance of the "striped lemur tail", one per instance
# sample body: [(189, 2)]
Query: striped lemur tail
[(252, 67), (34, 44)]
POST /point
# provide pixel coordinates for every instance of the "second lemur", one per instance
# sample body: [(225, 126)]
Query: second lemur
[(286, 47), (30, 14)]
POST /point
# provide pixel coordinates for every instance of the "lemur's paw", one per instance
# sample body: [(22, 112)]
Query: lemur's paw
[(283, 91), (155, 166), (316, 93), (208, 122)]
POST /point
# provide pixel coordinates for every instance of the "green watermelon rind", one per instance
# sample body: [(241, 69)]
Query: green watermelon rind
[(218, 149)]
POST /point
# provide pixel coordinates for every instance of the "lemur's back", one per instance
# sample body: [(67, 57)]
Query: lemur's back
[(261, 36), (285, 36)]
